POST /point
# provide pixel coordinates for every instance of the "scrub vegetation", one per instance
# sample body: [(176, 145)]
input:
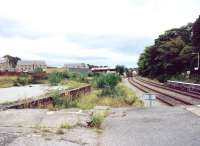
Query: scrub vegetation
[(97, 119), (107, 91)]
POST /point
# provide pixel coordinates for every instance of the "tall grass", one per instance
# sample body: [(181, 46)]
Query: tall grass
[(7, 81)]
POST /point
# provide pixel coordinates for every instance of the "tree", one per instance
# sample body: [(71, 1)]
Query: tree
[(170, 55), (12, 60), (196, 35), (120, 69)]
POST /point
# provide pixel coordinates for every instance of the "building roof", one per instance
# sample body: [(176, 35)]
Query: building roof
[(103, 69), (76, 65), (30, 62)]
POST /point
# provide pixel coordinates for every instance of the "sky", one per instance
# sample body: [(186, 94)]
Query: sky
[(100, 32)]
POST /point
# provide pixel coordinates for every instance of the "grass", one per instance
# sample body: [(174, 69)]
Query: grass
[(123, 97), (50, 70), (70, 84), (67, 126), (7, 81), (97, 119)]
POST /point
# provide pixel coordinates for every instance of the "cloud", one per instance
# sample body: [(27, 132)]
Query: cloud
[(94, 31), (59, 51)]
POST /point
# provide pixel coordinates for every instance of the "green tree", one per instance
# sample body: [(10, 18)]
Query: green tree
[(196, 35), (170, 55), (12, 60), (120, 69)]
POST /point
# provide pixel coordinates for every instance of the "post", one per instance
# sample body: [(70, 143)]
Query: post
[(197, 68), (198, 60)]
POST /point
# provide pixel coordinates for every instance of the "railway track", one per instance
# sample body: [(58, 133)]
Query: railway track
[(165, 95), (159, 85)]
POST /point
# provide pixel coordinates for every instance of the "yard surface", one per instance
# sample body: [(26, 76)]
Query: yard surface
[(158, 126)]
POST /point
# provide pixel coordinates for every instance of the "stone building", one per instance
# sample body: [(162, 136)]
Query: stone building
[(77, 67), (30, 65)]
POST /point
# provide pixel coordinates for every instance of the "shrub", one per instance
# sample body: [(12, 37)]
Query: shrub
[(97, 119), (38, 70), (37, 76), (62, 101), (23, 80), (106, 80), (57, 100), (55, 78)]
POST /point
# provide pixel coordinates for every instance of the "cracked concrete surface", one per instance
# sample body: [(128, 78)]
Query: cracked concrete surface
[(37, 127)]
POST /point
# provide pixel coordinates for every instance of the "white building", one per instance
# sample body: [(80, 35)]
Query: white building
[(30, 65), (103, 70)]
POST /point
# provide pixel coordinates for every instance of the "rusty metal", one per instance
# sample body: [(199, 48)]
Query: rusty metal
[(167, 99)]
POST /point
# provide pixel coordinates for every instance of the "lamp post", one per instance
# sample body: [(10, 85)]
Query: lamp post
[(197, 68)]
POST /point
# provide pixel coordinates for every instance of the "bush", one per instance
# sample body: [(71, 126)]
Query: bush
[(62, 101), (23, 80), (37, 76), (97, 119), (106, 81), (55, 78), (57, 100)]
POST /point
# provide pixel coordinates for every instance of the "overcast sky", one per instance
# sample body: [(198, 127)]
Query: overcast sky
[(104, 32)]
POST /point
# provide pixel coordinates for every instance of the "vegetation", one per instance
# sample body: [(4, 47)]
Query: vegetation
[(12, 60), (7, 81), (170, 55), (196, 35), (66, 126), (120, 69), (104, 81), (97, 119), (23, 80), (122, 96), (55, 78)]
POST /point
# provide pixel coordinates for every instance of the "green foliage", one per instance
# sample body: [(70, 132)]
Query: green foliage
[(62, 101), (66, 126), (97, 119), (38, 70), (23, 80), (170, 55), (12, 60), (57, 100), (196, 35), (55, 78), (120, 69), (104, 81)]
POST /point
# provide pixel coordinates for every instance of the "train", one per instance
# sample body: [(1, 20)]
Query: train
[(184, 86)]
